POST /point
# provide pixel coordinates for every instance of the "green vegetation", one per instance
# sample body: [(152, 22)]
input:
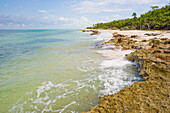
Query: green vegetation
[(157, 19)]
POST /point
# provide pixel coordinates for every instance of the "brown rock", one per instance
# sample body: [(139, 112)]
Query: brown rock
[(151, 34), (94, 32), (134, 36), (150, 96)]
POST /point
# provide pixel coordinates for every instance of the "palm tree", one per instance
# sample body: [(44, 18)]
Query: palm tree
[(134, 15)]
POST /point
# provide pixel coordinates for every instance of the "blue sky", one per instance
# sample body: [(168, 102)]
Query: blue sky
[(66, 14)]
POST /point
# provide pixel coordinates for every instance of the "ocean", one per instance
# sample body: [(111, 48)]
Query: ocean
[(61, 71)]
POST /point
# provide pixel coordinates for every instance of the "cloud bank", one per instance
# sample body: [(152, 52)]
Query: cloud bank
[(100, 6), (69, 13), (43, 11), (50, 21)]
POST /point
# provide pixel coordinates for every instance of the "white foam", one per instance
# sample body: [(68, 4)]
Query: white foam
[(118, 63), (116, 79), (108, 77), (103, 36), (73, 102), (44, 100), (82, 69), (115, 69), (44, 88)]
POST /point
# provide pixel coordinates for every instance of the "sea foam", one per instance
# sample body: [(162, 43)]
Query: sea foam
[(99, 77), (117, 71)]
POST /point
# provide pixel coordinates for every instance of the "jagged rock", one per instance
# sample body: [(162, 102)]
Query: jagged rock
[(134, 36), (118, 35), (94, 32), (150, 96), (166, 51), (151, 34), (157, 51), (86, 30)]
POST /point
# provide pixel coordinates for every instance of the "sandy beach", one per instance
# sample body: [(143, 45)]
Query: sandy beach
[(149, 50)]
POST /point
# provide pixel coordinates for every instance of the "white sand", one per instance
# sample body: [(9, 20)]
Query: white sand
[(141, 33)]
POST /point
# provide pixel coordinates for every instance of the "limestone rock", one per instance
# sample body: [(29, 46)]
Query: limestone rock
[(151, 95)]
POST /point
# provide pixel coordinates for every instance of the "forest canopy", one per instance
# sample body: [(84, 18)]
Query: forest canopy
[(157, 19)]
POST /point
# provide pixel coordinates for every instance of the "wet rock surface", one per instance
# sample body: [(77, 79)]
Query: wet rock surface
[(151, 95), (86, 30), (94, 32)]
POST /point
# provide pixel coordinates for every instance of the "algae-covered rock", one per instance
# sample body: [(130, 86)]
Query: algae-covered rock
[(151, 95)]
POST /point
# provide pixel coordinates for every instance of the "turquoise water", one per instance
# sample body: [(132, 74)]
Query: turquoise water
[(55, 71)]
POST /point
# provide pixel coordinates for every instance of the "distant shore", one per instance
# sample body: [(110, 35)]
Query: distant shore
[(152, 55)]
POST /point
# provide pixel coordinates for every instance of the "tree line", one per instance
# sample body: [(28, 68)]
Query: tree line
[(157, 19)]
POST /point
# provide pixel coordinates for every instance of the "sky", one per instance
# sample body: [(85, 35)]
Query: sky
[(69, 14)]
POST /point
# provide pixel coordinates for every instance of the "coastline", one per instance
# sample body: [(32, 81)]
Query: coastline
[(151, 53)]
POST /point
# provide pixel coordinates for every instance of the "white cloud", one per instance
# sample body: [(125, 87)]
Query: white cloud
[(21, 21), (115, 16), (23, 25), (48, 21), (43, 11), (98, 6), (104, 19), (116, 10), (107, 2), (160, 5), (76, 21), (64, 19), (46, 17)]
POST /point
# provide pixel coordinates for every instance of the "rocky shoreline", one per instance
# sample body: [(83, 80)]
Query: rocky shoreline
[(152, 54)]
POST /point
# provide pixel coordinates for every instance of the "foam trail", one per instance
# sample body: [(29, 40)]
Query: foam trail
[(103, 36), (117, 71), (94, 76), (67, 106)]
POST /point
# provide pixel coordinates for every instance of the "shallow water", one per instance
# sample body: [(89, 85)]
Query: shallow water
[(57, 71)]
